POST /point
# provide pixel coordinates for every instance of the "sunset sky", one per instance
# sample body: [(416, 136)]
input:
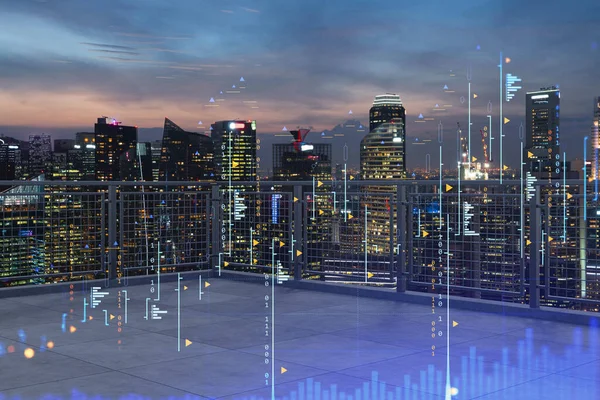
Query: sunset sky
[(65, 63)]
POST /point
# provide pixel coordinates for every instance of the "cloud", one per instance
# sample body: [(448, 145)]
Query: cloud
[(108, 46), (304, 62)]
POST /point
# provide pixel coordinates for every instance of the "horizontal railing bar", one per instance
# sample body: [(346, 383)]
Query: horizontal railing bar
[(386, 182), (467, 288), (18, 277)]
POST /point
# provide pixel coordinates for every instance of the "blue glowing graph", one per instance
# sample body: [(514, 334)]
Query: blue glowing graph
[(511, 89)]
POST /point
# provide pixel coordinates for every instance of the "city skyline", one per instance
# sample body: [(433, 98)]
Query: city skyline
[(316, 64)]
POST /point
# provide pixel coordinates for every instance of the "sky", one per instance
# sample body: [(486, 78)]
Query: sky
[(64, 63)]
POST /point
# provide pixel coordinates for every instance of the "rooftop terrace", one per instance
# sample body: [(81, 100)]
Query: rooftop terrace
[(315, 345)]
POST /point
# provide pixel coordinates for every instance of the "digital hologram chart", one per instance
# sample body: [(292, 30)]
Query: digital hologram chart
[(299, 200)]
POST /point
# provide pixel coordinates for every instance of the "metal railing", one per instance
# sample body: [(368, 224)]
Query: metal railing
[(539, 246)]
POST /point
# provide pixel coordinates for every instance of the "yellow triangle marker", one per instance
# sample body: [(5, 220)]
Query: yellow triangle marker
[(351, 177), (473, 159), (185, 287), (283, 370), (206, 284), (187, 342), (369, 274), (72, 329), (448, 187), (255, 261), (112, 317), (298, 253), (281, 244), (506, 120), (234, 164), (295, 199), (254, 242), (454, 324), (319, 183), (425, 233), (226, 263), (505, 167), (321, 212), (569, 196), (550, 238), (474, 95), (529, 154), (350, 216), (528, 242)]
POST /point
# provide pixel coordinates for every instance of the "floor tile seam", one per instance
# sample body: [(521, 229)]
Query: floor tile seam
[(221, 350), (161, 384), (284, 361), (56, 380)]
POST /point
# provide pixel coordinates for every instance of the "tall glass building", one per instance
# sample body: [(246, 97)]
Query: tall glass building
[(185, 156), (235, 160), (542, 134), (596, 140), (111, 141), (382, 157)]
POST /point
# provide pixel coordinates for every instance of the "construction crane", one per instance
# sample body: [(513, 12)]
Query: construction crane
[(299, 136)]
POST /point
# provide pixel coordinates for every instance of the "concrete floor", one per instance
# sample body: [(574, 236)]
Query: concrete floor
[(326, 346)]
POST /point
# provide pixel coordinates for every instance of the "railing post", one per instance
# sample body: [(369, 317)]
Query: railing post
[(401, 238), (112, 231), (298, 231), (215, 248), (534, 258)]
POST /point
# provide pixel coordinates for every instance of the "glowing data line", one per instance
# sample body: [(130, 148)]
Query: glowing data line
[(366, 243), (230, 205), (273, 319), (564, 197), (105, 317), (146, 316), (441, 189), (596, 177), (469, 129), (126, 300), (314, 207), (63, 323), (448, 383), (345, 182), (251, 246), (522, 227), (501, 120), (490, 139), (144, 206), (85, 304), (178, 290), (585, 178), (158, 274), (200, 292)]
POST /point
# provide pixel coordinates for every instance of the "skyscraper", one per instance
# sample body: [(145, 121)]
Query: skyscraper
[(235, 150), (185, 156), (112, 140), (382, 157), (136, 164), (542, 136), (596, 140), (235, 160), (84, 155), (10, 159), (300, 161), (40, 155)]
